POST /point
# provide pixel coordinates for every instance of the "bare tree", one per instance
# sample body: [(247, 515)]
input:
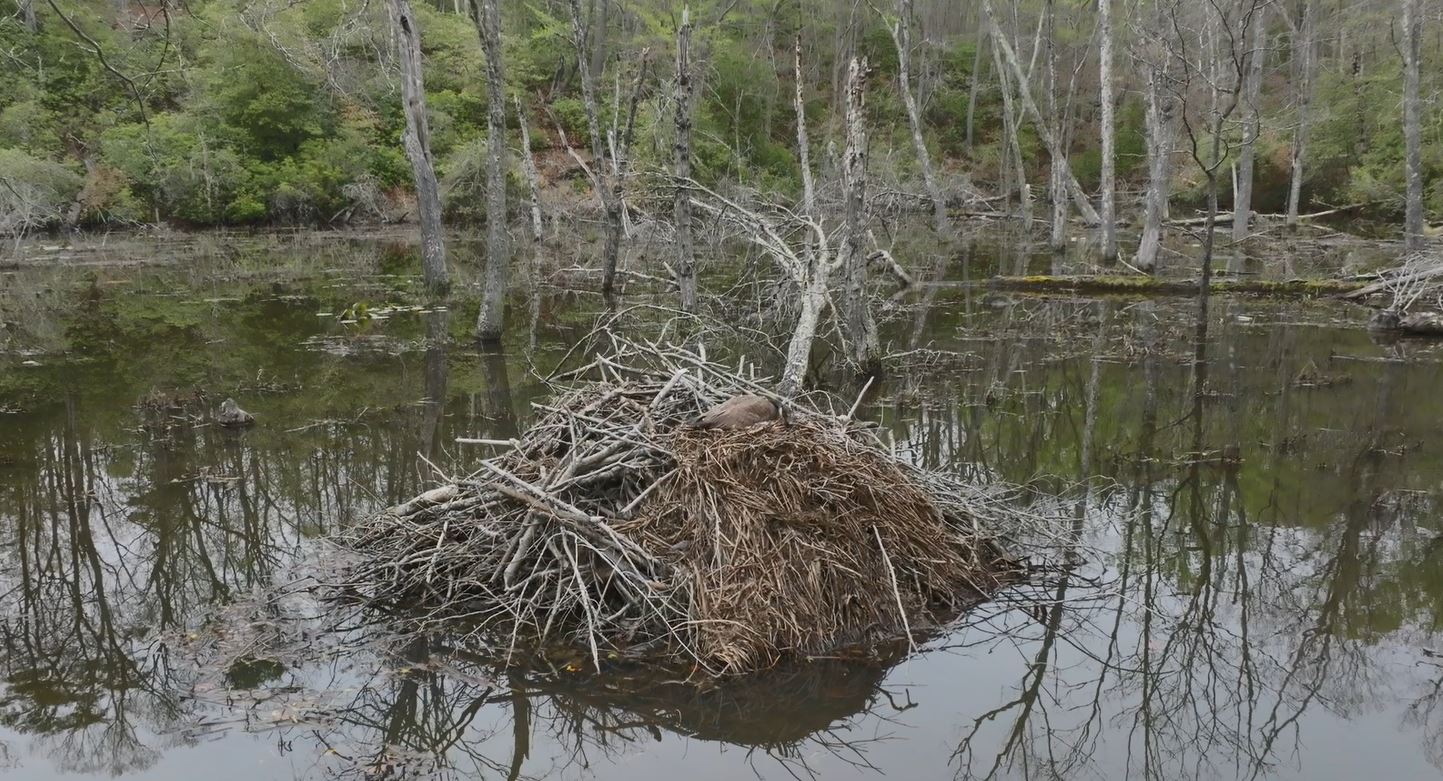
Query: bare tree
[(1304, 56), (1252, 88), (417, 141), (607, 170), (901, 32), (1050, 140), (1157, 67), (533, 178), (976, 81), (681, 199), (1412, 124), (1107, 199), (860, 328), (491, 320)]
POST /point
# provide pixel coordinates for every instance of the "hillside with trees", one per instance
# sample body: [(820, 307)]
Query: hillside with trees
[(273, 112)]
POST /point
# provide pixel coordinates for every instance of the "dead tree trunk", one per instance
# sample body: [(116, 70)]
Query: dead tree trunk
[(976, 81), (1412, 124), (804, 148), (604, 177), (1303, 55), (492, 317), (533, 178), (1159, 148), (1044, 132), (1057, 185), (1107, 199), (1012, 167), (813, 280), (902, 39), (1252, 86), (857, 320), (681, 199), (417, 141)]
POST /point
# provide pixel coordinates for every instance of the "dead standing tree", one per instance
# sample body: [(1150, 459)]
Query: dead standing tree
[(681, 203), (1156, 63), (1412, 125), (492, 318), (608, 170), (417, 141), (901, 31), (860, 328), (1051, 140), (1226, 77)]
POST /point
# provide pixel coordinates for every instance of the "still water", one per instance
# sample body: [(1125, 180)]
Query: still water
[(1258, 522)]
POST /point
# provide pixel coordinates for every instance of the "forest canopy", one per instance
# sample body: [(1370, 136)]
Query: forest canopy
[(239, 112)]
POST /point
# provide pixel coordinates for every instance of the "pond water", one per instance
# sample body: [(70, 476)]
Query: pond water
[(1259, 517)]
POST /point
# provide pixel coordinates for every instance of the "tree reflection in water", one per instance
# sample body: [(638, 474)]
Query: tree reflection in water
[(1253, 556)]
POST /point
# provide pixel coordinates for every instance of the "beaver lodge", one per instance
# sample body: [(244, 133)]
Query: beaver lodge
[(618, 524)]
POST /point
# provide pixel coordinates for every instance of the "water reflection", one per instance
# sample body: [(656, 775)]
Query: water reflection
[(1251, 507)]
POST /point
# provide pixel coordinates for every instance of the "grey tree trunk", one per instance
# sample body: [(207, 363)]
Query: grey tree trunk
[(1056, 185), (1252, 86), (533, 178), (902, 39), (417, 141), (492, 318), (1159, 144), (598, 37), (857, 319), (976, 81), (1049, 139), (804, 148), (27, 14), (813, 281), (602, 174), (1412, 124), (1107, 199), (1012, 168), (1304, 55), (681, 199)]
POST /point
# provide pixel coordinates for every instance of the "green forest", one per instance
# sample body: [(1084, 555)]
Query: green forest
[(270, 112)]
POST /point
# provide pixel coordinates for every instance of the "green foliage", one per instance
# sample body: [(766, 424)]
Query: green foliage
[(34, 192)]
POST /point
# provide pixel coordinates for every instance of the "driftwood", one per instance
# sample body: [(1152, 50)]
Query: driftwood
[(613, 525)]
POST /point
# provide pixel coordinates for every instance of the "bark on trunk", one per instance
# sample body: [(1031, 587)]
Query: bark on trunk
[(1107, 199), (1013, 171), (417, 141), (804, 148), (1159, 142), (27, 13), (1056, 185), (1252, 85), (1049, 139), (902, 39), (1412, 124), (603, 175), (857, 318), (976, 81), (533, 178), (681, 199), (812, 282), (1303, 54), (492, 317)]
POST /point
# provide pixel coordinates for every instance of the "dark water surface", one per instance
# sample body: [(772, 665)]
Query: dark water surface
[(1262, 537)]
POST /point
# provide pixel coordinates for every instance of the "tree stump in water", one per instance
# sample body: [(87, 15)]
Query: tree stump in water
[(232, 416)]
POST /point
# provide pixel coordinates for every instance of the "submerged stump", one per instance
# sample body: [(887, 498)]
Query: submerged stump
[(618, 524)]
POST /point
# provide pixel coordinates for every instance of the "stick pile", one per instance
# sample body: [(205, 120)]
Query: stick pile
[(614, 524)]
